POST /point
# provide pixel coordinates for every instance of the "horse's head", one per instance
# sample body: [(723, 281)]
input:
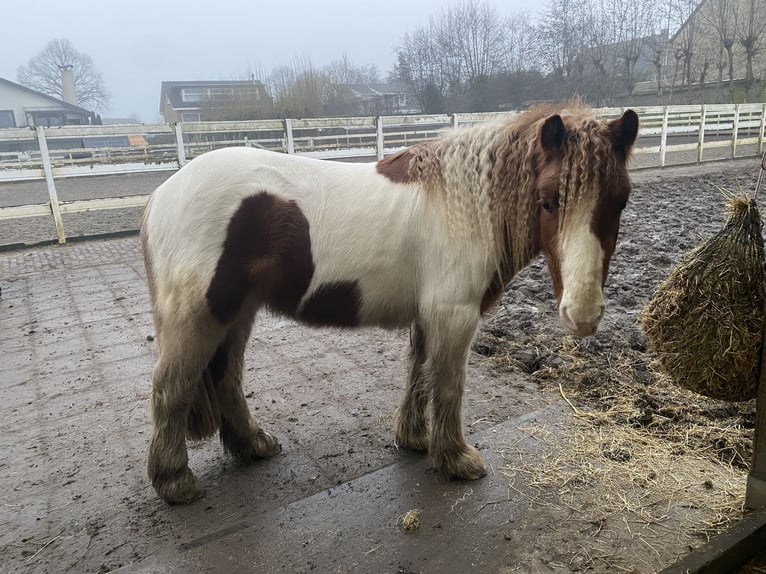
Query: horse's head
[(582, 188)]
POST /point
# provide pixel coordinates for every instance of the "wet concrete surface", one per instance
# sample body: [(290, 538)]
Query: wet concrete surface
[(77, 356), (358, 526)]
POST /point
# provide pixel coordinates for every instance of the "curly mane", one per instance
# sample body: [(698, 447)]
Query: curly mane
[(486, 175)]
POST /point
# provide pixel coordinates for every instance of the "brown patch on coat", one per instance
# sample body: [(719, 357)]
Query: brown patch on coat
[(606, 217), (266, 254), (396, 167), (419, 163), (549, 222), (333, 304)]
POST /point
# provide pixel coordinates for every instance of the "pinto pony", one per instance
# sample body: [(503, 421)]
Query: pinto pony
[(427, 237)]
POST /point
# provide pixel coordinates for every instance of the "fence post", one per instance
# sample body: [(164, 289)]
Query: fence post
[(289, 136), (664, 137), (379, 137), (181, 150), (701, 138), (48, 168), (755, 492), (455, 121), (760, 132), (735, 127)]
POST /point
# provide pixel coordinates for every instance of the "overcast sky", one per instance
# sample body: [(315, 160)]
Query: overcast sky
[(136, 44)]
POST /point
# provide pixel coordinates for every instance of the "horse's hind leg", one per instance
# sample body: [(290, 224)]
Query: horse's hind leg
[(241, 435), (411, 425), (449, 330), (185, 350)]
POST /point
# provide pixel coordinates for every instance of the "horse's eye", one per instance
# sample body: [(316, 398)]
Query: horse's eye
[(547, 206)]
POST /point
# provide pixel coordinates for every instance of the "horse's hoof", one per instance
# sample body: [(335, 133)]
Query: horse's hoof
[(414, 442), (259, 444), (266, 445), (465, 464), (181, 490)]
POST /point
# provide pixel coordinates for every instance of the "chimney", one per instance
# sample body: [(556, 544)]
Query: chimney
[(67, 85)]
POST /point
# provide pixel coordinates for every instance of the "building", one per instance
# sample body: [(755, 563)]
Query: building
[(380, 99), (21, 107), (697, 63), (200, 101)]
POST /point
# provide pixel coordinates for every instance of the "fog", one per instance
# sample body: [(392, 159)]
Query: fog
[(138, 44)]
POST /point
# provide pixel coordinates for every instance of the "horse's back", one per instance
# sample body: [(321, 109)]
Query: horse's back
[(327, 242)]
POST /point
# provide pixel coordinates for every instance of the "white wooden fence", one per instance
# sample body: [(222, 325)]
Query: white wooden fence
[(692, 133)]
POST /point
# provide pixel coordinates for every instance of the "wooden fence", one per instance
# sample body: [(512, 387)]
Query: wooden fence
[(693, 134)]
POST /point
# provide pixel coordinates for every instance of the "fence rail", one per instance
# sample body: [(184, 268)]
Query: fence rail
[(693, 132)]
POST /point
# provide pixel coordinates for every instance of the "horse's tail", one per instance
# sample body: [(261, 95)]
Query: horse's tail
[(205, 413)]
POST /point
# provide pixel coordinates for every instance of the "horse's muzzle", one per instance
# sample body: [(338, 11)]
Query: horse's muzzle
[(580, 324)]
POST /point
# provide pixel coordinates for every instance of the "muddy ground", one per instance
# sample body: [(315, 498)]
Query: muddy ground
[(667, 216), (643, 475)]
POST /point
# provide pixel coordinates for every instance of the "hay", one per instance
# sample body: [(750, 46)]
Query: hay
[(637, 496), (622, 484), (705, 320), (411, 520)]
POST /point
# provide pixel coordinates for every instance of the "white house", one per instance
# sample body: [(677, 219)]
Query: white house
[(22, 107)]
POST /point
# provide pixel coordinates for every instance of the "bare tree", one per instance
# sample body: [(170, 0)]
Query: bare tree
[(561, 41), (343, 71), (634, 20), (684, 44), (721, 16), (465, 43), (335, 79), (751, 32), (600, 43), (475, 32), (43, 73), (519, 51), (296, 89), (421, 66)]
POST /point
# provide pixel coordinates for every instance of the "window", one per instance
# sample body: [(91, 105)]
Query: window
[(6, 119), (190, 95), (191, 117), (193, 95), (45, 118)]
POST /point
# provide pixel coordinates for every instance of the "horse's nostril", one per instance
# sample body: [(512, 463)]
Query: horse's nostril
[(580, 328), (567, 320)]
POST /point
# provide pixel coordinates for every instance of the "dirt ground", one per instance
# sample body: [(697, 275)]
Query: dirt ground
[(636, 423), (628, 474)]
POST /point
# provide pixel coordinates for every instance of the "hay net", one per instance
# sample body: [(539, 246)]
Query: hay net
[(705, 321)]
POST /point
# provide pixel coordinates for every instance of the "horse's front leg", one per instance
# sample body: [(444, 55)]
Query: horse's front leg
[(449, 332)]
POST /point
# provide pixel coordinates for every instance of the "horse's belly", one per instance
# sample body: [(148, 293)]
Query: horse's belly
[(375, 299)]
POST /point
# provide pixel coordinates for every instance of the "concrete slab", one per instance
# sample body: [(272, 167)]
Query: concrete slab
[(358, 526)]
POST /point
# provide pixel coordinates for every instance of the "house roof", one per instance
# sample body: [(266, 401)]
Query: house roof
[(371, 91), (685, 23), (58, 103), (172, 90), (378, 89)]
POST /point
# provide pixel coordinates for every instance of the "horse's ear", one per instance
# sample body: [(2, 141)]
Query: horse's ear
[(552, 133), (624, 131)]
